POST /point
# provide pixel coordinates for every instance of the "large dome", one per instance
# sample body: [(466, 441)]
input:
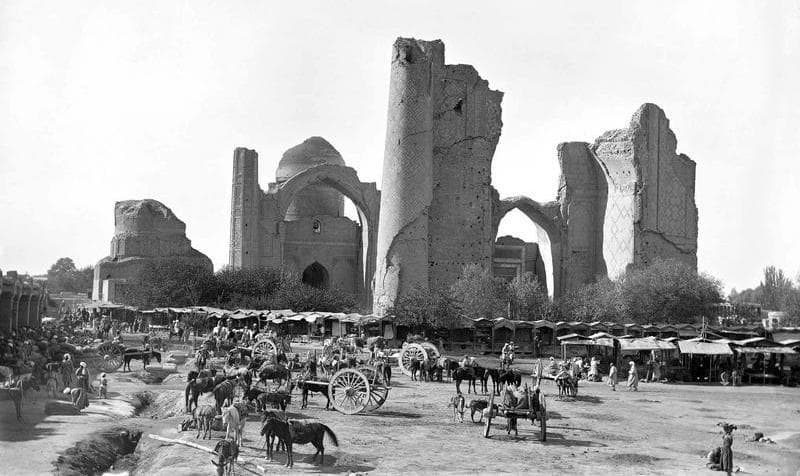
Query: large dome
[(313, 151)]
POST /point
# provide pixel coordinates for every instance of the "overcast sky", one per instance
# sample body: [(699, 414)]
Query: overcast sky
[(108, 101)]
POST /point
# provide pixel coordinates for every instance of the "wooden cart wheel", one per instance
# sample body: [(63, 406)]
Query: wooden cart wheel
[(265, 349), (111, 356), (409, 353), (432, 350), (349, 391), (542, 418), (490, 409), (378, 391)]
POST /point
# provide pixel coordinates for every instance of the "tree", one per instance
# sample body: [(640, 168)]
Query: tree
[(776, 289), (169, 282), (600, 301), (668, 291), (529, 299), (479, 294), (422, 310), (64, 276)]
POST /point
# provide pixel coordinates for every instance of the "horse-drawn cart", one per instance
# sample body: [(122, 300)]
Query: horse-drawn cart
[(419, 351), (109, 356), (355, 390), (533, 408)]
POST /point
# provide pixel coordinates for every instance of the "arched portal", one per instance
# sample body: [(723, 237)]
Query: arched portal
[(364, 196), (547, 220), (316, 275)]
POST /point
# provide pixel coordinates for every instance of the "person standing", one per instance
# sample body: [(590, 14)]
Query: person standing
[(633, 378), (67, 369), (83, 377), (726, 459), (103, 386), (612, 377)]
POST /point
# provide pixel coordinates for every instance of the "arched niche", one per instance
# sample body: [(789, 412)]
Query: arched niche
[(549, 229)]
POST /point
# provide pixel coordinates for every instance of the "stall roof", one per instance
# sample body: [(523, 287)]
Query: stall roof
[(765, 350), (598, 335), (704, 347), (571, 337), (646, 343), (790, 342)]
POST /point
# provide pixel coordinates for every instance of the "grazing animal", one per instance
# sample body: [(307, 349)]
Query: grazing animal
[(301, 433), (270, 437), (200, 386), (461, 374), (234, 423), (228, 452), (224, 392), (277, 373), (135, 354), (478, 406), (203, 419), (458, 404)]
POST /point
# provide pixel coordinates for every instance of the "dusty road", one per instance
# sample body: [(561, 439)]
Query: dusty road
[(661, 429)]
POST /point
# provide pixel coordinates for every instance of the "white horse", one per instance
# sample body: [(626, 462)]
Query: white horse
[(233, 423)]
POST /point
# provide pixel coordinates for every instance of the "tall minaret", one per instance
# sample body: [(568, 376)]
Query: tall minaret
[(402, 250), (245, 198)]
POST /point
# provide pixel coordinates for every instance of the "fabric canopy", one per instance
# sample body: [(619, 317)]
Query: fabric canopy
[(765, 350), (648, 343), (696, 346)]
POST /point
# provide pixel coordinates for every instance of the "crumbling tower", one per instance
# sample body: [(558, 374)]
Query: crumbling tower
[(436, 203), (245, 202)]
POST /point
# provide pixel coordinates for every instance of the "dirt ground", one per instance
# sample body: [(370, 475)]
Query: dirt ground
[(661, 429)]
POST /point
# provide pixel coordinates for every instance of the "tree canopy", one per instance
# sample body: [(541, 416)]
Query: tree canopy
[(63, 275)]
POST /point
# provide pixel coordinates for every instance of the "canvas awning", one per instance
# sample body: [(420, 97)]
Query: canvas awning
[(765, 350), (645, 344), (695, 346)]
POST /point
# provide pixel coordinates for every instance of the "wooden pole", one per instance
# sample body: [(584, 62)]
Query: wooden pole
[(182, 442)]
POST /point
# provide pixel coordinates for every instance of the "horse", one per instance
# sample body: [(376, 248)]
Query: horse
[(416, 366), (199, 386), (203, 419), (567, 385), (309, 387), (457, 403), (291, 432), (135, 354), (432, 371), (270, 436), (234, 423), (224, 392), (383, 369), (509, 377), (461, 374), (228, 452)]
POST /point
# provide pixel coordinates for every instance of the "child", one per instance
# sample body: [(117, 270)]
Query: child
[(103, 386)]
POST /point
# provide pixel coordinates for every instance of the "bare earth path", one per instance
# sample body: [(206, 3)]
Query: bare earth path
[(661, 429)]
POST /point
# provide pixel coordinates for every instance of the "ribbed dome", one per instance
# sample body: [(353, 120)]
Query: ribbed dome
[(313, 151)]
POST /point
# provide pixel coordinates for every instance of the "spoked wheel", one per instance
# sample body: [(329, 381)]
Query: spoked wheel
[(542, 418), (432, 350), (378, 391), (349, 391), (111, 356), (410, 353), (265, 349)]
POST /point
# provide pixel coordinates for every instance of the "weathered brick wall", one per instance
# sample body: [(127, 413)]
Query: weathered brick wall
[(245, 210)]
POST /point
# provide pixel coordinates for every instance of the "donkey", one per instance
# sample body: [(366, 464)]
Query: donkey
[(203, 419), (234, 423), (144, 356), (228, 452), (461, 374)]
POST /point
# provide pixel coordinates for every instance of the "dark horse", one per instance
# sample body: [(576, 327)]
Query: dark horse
[(136, 354), (471, 374), (502, 376), (200, 385), (310, 373), (301, 433)]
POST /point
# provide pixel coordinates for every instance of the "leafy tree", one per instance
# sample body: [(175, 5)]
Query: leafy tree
[(422, 310), (479, 294), (601, 301), (63, 275), (668, 291), (169, 282), (529, 299), (776, 289)]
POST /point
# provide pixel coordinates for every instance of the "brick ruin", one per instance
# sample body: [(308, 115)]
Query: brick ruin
[(144, 231), (623, 200)]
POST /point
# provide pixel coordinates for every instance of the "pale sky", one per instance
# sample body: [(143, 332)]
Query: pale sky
[(109, 101)]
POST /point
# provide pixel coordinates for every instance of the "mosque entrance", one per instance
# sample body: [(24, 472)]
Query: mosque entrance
[(316, 275)]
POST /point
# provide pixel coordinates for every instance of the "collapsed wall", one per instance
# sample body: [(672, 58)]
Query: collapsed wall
[(436, 203)]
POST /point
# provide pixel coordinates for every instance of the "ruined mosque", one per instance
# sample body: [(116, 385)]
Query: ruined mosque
[(623, 200)]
